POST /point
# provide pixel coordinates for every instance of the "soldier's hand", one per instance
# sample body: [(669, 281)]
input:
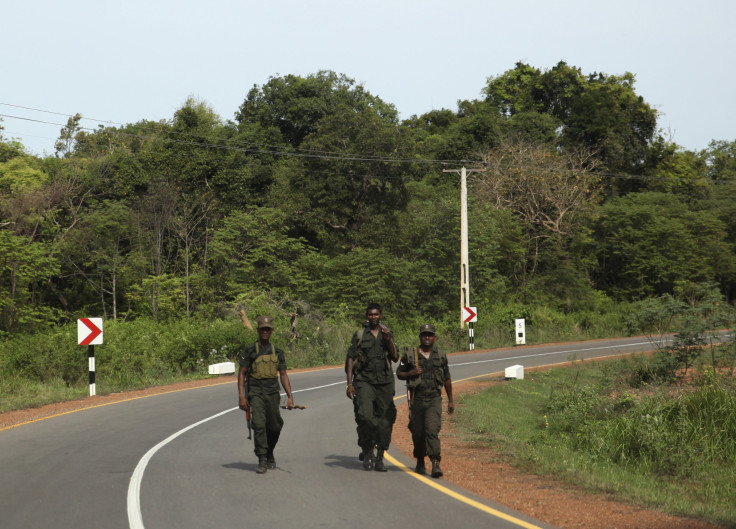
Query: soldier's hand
[(243, 404), (290, 403), (417, 371), (350, 391), (450, 407)]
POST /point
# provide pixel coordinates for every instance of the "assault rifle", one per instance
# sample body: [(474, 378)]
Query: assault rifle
[(247, 411)]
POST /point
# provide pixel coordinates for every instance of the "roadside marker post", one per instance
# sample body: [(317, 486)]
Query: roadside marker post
[(89, 333), (520, 331), (470, 316)]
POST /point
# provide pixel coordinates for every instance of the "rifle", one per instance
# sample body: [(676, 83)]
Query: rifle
[(246, 323), (409, 393), (295, 407), (247, 411)]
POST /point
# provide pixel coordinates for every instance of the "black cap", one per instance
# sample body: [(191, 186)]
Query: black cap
[(426, 328)]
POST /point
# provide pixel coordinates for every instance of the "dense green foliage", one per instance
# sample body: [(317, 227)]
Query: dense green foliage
[(319, 197)]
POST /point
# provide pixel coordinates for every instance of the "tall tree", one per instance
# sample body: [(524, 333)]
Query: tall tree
[(600, 112), (24, 266), (294, 105), (64, 146), (549, 191), (102, 249)]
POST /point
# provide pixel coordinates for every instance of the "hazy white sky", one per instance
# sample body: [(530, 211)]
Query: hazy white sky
[(125, 61)]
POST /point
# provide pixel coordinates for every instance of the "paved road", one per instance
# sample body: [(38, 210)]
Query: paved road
[(181, 460)]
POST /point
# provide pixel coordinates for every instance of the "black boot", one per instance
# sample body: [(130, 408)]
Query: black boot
[(262, 465), (420, 468), (378, 465), (368, 459), (270, 460), (436, 470)]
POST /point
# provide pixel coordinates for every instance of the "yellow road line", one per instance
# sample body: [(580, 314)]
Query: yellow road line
[(460, 497)]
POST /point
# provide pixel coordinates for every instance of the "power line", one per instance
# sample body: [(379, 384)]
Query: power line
[(277, 150), (249, 147)]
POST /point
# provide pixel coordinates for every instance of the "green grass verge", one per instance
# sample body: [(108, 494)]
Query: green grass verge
[(671, 448)]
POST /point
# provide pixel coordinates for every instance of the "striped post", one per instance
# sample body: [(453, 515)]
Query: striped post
[(471, 336), (92, 385)]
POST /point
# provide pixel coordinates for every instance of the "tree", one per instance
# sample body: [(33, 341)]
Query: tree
[(647, 242), (294, 105), (548, 191), (64, 146), (24, 195), (600, 112), (155, 214), (720, 157), (103, 250), (340, 193), (24, 266), (609, 117), (252, 250), (191, 222)]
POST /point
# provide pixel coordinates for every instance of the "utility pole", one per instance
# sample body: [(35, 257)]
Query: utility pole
[(464, 265)]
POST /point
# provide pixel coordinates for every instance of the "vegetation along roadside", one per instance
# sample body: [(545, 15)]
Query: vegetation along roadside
[(646, 429)]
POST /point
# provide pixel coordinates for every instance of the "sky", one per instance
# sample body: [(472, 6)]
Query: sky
[(123, 62)]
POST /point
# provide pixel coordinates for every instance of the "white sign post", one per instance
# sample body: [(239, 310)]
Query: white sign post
[(520, 332)]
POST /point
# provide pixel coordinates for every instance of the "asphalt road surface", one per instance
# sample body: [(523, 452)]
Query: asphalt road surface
[(182, 460)]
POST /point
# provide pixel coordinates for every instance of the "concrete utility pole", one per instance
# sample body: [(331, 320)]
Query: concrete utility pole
[(464, 266)]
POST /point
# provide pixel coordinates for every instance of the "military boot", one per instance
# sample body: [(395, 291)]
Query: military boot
[(436, 470), (378, 465), (420, 468), (270, 460), (368, 459), (262, 465)]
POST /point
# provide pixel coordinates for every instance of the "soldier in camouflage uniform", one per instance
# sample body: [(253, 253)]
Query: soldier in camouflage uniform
[(371, 386), (262, 365), (426, 372)]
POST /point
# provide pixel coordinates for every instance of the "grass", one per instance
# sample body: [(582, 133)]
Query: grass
[(670, 447)]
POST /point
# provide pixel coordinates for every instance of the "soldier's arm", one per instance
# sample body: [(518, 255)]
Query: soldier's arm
[(286, 383), (350, 390), (448, 390), (393, 352), (243, 403)]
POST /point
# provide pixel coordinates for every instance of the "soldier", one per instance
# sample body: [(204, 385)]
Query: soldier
[(261, 366), (371, 386), (426, 372)]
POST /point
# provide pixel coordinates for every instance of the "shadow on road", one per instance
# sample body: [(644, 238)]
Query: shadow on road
[(351, 462)]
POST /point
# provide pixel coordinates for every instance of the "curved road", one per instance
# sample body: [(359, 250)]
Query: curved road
[(182, 460)]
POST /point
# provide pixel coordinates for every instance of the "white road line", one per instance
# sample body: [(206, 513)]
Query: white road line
[(517, 357), (135, 518)]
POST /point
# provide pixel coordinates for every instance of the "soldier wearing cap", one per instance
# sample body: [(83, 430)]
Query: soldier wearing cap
[(262, 365), (426, 372)]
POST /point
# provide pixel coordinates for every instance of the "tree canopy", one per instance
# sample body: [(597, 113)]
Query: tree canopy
[(318, 194)]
